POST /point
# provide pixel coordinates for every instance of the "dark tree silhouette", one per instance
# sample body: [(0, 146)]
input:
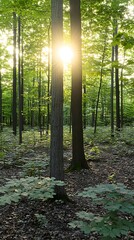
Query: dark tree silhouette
[(78, 157)]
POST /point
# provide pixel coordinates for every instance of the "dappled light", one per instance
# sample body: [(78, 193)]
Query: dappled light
[(67, 119)]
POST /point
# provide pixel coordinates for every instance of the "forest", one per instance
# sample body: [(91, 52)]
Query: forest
[(66, 119)]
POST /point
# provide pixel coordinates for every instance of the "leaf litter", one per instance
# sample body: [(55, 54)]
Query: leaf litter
[(20, 221)]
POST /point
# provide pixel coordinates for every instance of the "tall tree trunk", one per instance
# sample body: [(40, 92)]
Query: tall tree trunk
[(101, 77), (93, 113), (14, 113), (121, 81), (102, 108), (56, 156), (48, 85), (1, 118), (32, 107), (39, 99), (122, 98), (84, 106), (112, 95), (78, 156), (22, 77), (117, 84), (19, 81)]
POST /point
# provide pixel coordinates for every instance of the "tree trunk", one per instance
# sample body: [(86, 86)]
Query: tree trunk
[(32, 107), (14, 113), (22, 77), (39, 100), (84, 107), (56, 156), (112, 95), (1, 118), (48, 85), (78, 156), (101, 77), (19, 82), (122, 91), (117, 85)]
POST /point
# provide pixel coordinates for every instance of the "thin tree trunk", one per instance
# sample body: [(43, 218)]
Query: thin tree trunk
[(32, 107), (48, 85), (112, 95), (14, 113), (117, 84), (122, 91), (93, 114), (39, 100), (102, 108), (1, 118), (84, 107), (70, 118), (122, 98), (22, 78), (19, 82), (101, 78)]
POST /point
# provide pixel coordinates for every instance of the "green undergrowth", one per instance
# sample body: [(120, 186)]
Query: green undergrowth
[(116, 217), (11, 151), (32, 188), (35, 167), (103, 136)]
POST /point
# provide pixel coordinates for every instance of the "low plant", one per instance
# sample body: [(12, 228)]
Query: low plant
[(118, 210), (38, 188), (42, 220), (34, 168)]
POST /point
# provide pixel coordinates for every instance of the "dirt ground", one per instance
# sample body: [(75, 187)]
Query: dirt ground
[(18, 221)]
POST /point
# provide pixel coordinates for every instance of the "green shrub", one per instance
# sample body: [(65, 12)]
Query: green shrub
[(117, 215), (29, 187), (34, 168)]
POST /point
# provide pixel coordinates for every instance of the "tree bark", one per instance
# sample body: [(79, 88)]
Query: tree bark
[(14, 112), (1, 118), (112, 95), (39, 99), (48, 84), (56, 155), (22, 77), (84, 107), (122, 97), (117, 84), (101, 78), (19, 81), (78, 156)]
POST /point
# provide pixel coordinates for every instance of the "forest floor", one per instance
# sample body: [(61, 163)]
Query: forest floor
[(18, 220)]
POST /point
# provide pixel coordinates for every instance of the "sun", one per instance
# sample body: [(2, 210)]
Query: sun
[(66, 54)]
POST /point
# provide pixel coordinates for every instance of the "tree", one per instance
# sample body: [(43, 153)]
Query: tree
[(117, 83), (1, 120), (78, 157), (56, 156), (101, 78), (20, 82), (14, 113), (112, 94), (48, 83)]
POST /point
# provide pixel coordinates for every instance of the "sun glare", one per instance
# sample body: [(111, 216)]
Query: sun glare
[(66, 54)]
